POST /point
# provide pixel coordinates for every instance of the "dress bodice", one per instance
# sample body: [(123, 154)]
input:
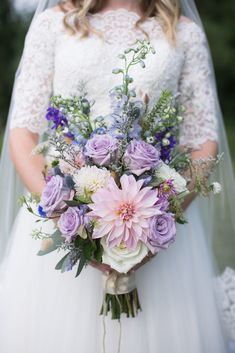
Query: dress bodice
[(56, 62)]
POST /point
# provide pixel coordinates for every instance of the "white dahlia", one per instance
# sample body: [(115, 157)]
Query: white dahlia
[(90, 179)]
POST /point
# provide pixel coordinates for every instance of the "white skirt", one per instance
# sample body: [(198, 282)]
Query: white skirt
[(44, 311)]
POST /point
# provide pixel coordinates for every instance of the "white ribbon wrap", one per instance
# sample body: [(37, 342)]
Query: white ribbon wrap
[(118, 283)]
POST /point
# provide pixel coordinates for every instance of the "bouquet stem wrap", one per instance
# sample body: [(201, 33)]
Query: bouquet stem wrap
[(120, 295)]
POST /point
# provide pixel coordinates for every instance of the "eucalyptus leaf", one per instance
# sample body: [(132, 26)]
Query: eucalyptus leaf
[(61, 262), (56, 241), (72, 203), (81, 265)]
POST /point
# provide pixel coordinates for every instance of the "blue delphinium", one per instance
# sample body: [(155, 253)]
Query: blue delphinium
[(41, 212), (135, 131), (99, 131)]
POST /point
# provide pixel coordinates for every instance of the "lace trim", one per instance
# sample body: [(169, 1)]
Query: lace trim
[(119, 26), (197, 94), (34, 84)]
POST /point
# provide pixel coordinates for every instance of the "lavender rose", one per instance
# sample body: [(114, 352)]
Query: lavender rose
[(71, 223), (141, 156), (101, 148), (162, 232), (54, 195)]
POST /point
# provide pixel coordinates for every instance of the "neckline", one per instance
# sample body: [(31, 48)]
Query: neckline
[(120, 11)]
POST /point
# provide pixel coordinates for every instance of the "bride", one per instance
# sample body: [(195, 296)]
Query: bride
[(42, 311)]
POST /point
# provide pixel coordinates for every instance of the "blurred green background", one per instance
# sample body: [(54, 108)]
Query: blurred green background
[(219, 21)]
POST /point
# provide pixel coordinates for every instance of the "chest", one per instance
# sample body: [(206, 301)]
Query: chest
[(92, 60)]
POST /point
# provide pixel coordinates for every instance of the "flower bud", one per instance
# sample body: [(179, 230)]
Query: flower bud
[(216, 187), (165, 142)]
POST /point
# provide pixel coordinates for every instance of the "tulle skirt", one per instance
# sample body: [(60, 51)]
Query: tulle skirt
[(44, 311)]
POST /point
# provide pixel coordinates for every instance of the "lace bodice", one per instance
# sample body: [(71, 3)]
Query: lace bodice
[(55, 62)]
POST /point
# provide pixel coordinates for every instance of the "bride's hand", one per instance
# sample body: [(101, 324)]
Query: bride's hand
[(106, 268), (100, 266), (143, 262)]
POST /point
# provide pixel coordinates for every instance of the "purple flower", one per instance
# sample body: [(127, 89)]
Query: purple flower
[(162, 231), (118, 101), (116, 133), (55, 115), (98, 131), (163, 203), (70, 222), (140, 157), (165, 150), (54, 195), (167, 188), (71, 260), (69, 135), (135, 131), (102, 148)]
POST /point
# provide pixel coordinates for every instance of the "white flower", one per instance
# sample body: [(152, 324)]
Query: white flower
[(89, 179), (164, 172), (120, 258), (150, 139), (216, 187), (180, 119), (165, 142)]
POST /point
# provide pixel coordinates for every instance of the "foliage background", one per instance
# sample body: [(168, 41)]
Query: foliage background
[(219, 24)]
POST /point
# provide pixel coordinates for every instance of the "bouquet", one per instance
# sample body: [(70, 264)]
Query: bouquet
[(114, 184)]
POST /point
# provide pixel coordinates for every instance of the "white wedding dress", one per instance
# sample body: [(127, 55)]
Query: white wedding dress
[(44, 311)]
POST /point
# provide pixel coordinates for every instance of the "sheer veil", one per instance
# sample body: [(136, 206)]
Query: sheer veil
[(217, 213)]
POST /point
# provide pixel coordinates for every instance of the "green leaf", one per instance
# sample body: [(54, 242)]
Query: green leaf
[(55, 163), (181, 220), (79, 242), (88, 249), (84, 199), (30, 209), (59, 266), (22, 200), (57, 240), (72, 203), (98, 252), (81, 265)]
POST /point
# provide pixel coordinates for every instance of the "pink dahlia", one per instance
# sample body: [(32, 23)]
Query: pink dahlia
[(123, 214)]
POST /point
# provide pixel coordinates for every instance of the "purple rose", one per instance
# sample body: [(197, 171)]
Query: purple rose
[(101, 148), (54, 195), (70, 222), (140, 156), (162, 231)]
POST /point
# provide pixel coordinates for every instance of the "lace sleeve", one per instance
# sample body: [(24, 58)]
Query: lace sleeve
[(196, 90), (34, 84)]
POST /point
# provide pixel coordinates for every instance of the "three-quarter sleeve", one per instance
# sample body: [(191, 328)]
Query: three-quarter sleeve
[(34, 84), (196, 90)]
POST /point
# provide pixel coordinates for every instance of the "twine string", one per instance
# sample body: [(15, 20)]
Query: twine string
[(114, 277)]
